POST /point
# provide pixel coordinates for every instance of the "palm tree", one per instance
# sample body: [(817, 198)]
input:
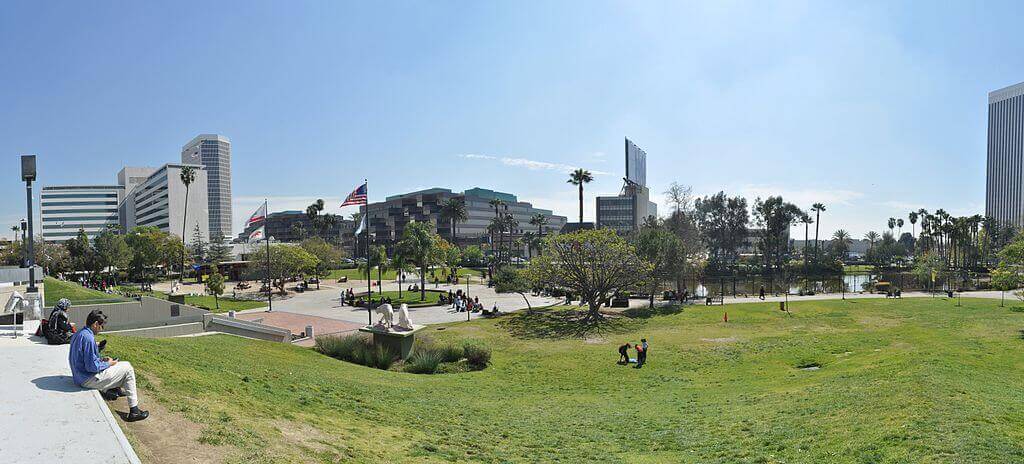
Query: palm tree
[(455, 210), (540, 221), (806, 219), (528, 241), (188, 176), (496, 204), (842, 241), (580, 177), (913, 221), (871, 237), (899, 224), (817, 208)]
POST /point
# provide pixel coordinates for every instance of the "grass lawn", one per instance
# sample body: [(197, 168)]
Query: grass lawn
[(55, 289), (410, 298), (206, 301), (354, 274), (911, 380)]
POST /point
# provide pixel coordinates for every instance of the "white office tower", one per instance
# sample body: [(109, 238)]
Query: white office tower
[(64, 210), (214, 153)]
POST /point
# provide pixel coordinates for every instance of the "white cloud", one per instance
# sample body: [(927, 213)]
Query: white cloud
[(532, 165), (902, 205)]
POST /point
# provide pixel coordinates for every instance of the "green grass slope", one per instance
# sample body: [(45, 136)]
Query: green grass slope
[(912, 380), (55, 289)]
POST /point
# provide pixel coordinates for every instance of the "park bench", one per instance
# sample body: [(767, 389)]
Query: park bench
[(714, 299)]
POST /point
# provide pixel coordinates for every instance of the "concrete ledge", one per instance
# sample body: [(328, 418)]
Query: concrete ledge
[(247, 329), (164, 331)]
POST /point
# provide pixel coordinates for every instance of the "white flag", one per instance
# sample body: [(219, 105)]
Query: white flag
[(362, 225), (257, 234)]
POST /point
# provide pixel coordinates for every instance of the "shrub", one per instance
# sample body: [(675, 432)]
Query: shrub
[(477, 356), (451, 353), (382, 357), (424, 361)]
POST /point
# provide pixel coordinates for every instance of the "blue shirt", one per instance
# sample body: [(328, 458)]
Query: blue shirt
[(84, 357)]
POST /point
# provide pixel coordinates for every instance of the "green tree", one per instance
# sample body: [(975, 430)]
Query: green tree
[(818, 208), (472, 256), (511, 280), (215, 285), (286, 262), (455, 210), (774, 216), (419, 245), (657, 246), (928, 268), (145, 243), (1005, 279), (593, 264), (198, 248), (218, 252), (188, 176), (580, 177), (377, 259), (722, 222), (112, 252), (841, 242), (83, 255), (328, 256)]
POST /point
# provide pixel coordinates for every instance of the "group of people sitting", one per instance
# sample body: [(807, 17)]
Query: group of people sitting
[(461, 302), (112, 377), (641, 354)]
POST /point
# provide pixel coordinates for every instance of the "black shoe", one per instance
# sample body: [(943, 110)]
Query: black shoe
[(118, 391), (134, 416), (102, 345), (108, 395)]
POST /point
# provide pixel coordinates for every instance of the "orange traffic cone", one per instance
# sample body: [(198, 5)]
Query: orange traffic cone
[(726, 317)]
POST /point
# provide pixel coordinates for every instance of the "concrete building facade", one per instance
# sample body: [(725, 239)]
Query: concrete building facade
[(1004, 178), (66, 209), (628, 210), (159, 201), (214, 153), (294, 225), (387, 219)]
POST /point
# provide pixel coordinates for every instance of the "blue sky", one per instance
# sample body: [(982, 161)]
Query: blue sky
[(872, 108)]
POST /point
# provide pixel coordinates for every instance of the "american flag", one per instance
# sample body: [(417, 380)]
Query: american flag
[(258, 216), (357, 197)]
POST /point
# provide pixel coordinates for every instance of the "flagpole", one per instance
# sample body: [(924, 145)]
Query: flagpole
[(266, 236), (369, 290)]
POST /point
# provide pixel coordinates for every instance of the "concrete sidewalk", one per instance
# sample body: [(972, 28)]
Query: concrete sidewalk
[(44, 416)]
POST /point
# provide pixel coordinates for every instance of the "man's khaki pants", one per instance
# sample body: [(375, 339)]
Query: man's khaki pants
[(121, 375)]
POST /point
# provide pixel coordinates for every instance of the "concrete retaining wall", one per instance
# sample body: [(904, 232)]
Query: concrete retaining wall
[(145, 312), (163, 331), (247, 329)]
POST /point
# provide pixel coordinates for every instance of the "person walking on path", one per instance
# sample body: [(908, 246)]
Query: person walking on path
[(761, 293)]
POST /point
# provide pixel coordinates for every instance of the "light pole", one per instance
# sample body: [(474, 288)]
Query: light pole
[(28, 174)]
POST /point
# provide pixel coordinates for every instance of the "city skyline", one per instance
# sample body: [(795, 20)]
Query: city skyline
[(872, 109)]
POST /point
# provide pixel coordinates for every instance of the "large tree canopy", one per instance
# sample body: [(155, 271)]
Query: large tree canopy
[(592, 264)]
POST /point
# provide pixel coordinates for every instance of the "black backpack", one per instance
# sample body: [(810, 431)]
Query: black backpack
[(57, 329)]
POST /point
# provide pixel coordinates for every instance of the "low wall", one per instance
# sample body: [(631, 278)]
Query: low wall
[(216, 323), (177, 330), (144, 312)]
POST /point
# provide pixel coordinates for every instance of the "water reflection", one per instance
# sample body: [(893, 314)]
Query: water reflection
[(751, 285)]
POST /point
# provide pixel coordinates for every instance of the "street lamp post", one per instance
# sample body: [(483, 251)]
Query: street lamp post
[(28, 174)]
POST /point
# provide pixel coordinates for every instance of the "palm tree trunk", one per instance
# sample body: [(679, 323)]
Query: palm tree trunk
[(581, 203), (184, 221), (817, 222), (423, 283)]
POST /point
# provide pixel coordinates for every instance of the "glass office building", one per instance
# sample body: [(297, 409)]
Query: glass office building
[(1004, 178)]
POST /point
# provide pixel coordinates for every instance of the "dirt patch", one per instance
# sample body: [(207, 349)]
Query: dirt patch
[(166, 437), (878, 322), (595, 341), (720, 340), (303, 435)]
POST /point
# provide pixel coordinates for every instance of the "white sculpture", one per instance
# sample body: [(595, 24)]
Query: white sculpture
[(175, 288), (388, 315), (15, 300), (29, 306), (403, 317)]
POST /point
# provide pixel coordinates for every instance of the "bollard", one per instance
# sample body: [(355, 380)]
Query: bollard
[(231, 314), (309, 331)]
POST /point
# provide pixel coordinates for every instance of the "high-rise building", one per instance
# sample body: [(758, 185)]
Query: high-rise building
[(1004, 179), (159, 201), (66, 209), (214, 152), (129, 178), (628, 210)]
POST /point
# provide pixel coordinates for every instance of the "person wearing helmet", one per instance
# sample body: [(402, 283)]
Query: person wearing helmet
[(113, 378)]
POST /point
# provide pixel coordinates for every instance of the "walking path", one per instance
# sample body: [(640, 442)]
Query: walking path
[(44, 416)]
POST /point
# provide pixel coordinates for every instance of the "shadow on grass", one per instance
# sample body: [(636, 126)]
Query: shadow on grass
[(647, 312), (560, 323)]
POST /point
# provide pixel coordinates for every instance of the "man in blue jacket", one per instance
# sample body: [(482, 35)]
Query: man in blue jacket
[(111, 377)]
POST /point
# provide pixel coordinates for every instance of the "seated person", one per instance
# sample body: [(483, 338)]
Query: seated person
[(111, 377)]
